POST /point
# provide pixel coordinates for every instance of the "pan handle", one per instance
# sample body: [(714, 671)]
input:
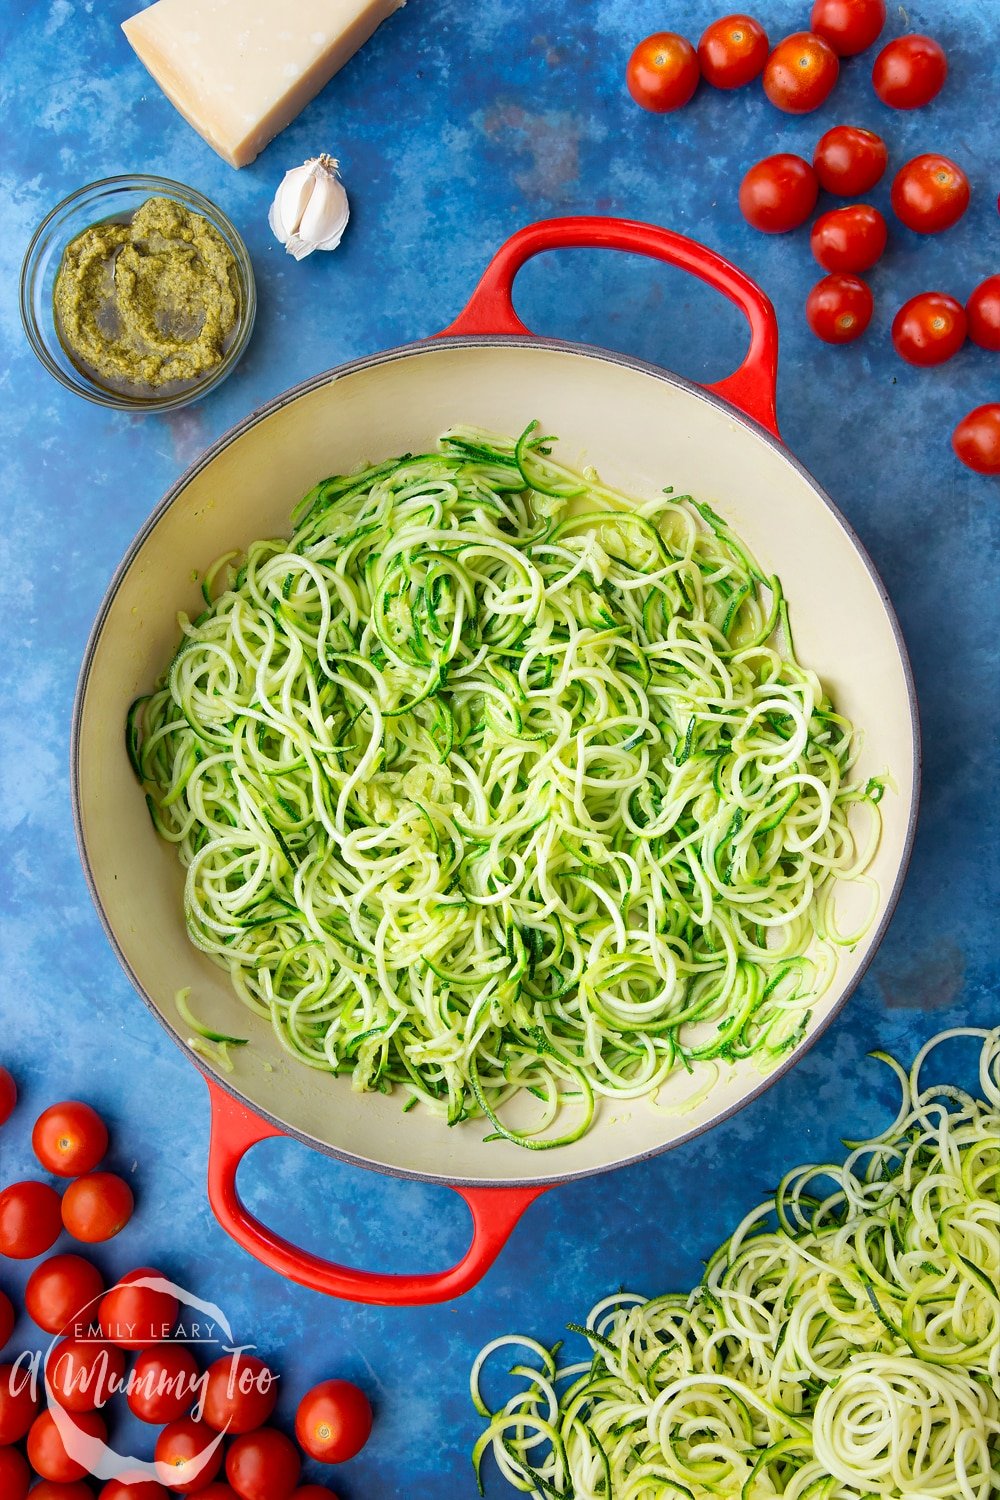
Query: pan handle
[(235, 1128), (751, 387)]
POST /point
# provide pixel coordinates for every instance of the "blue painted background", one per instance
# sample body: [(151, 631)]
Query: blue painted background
[(458, 123)]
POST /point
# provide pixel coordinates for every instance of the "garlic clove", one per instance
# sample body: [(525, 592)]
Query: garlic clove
[(310, 209), (289, 204), (324, 217)]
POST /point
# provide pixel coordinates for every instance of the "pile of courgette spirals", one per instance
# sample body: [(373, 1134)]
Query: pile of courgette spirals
[(495, 785), (844, 1343)]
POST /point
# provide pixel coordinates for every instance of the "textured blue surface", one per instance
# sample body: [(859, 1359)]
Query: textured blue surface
[(452, 133)]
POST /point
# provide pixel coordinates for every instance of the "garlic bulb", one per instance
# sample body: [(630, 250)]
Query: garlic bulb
[(310, 209)]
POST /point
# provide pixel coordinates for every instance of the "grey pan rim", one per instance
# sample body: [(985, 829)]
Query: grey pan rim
[(409, 351)]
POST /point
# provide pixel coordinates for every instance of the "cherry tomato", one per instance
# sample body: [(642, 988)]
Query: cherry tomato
[(164, 1384), (848, 25), (97, 1206), (849, 239), (218, 1491), (82, 1374), (29, 1219), (909, 72), (839, 309), (976, 439), (15, 1476), (8, 1095), (185, 1449), (733, 51), (930, 193), (983, 313), (849, 160), (46, 1490), (662, 72), (47, 1453), (313, 1492), (142, 1489), (334, 1421), (800, 73), (135, 1316), (18, 1403), (263, 1465), (64, 1293), (778, 193), (240, 1393), (929, 329), (69, 1138), (8, 1317)]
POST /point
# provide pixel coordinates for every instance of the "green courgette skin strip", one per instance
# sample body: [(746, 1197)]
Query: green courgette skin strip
[(496, 786), (843, 1344)]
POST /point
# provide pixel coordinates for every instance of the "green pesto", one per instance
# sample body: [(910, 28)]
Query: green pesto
[(151, 302)]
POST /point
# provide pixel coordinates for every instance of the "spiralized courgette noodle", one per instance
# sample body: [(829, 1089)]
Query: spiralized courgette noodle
[(490, 781), (844, 1343)]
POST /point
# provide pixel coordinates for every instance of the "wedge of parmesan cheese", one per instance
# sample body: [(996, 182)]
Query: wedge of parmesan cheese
[(239, 71)]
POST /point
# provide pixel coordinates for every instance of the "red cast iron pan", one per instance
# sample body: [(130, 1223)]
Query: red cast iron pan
[(641, 427)]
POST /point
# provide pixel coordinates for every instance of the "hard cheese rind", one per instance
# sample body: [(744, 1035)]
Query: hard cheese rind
[(239, 71)]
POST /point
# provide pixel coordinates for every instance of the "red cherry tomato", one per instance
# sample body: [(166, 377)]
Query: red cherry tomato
[(662, 72), (800, 73), (313, 1492), (8, 1317), (46, 1490), (732, 51), (133, 1317), (778, 193), (976, 439), (849, 160), (334, 1421), (164, 1384), (142, 1489), (189, 1461), (839, 309), (848, 25), (69, 1138), (849, 239), (929, 329), (218, 1491), (240, 1393), (18, 1403), (82, 1374), (47, 1453), (909, 72), (29, 1219), (63, 1293), (15, 1476), (263, 1465), (8, 1095), (930, 193), (97, 1206), (983, 313)]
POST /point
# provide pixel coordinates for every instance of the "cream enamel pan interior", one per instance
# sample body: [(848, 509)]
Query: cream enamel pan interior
[(642, 428)]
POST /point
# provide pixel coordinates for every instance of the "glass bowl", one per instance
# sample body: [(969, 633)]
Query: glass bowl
[(118, 198)]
